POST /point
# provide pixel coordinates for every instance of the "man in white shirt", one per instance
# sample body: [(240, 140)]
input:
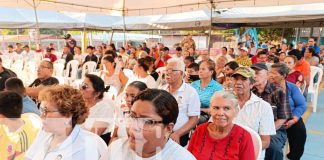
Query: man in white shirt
[(255, 112), (27, 54), (187, 98)]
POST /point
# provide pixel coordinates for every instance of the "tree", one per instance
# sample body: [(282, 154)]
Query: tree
[(274, 34)]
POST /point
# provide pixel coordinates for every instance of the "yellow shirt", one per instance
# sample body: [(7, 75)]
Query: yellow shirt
[(14, 144), (244, 61)]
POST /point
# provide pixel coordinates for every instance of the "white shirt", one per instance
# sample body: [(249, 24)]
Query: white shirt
[(103, 111), (80, 145), (188, 102), (28, 56), (227, 56), (257, 114), (119, 150), (148, 80), (120, 119)]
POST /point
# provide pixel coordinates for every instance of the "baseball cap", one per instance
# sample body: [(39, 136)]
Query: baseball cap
[(245, 49), (259, 66), (67, 36), (244, 71), (72, 42)]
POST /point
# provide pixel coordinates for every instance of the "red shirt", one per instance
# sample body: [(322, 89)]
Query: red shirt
[(295, 77), (237, 145), (161, 63), (52, 57), (254, 59)]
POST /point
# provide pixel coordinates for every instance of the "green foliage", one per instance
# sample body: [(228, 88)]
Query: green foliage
[(56, 32), (274, 34)]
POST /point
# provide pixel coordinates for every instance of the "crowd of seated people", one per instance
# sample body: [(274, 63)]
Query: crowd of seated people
[(188, 104)]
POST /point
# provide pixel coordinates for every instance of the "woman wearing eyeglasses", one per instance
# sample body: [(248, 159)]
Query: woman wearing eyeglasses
[(62, 112), (150, 123), (123, 111), (101, 111)]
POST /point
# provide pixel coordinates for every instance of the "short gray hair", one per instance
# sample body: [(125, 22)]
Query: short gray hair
[(227, 95), (180, 65)]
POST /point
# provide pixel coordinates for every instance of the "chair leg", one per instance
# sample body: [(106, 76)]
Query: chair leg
[(314, 103)]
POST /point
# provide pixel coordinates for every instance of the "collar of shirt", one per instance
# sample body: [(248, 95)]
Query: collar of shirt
[(268, 88), (181, 89), (253, 99), (67, 142)]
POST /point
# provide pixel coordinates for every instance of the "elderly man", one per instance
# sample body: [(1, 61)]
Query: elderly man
[(187, 98), (255, 112), (44, 78), (274, 95), (67, 55), (204, 56)]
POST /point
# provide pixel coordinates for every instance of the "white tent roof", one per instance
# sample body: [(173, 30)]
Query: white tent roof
[(144, 7), (25, 18)]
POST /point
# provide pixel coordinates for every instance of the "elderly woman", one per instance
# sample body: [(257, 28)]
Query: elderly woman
[(63, 110), (150, 123), (206, 87), (122, 112), (230, 140), (101, 111), (296, 131)]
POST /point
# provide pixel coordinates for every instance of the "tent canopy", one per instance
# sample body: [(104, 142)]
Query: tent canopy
[(144, 7), (305, 15)]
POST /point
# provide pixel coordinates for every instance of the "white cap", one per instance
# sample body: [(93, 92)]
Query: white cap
[(245, 49)]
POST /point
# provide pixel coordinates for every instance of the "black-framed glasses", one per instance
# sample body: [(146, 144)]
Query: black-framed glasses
[(171, 70), (144, 124), (44, 111), (84, 86)]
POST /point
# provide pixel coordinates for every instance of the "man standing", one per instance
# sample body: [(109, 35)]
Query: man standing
[(187, 98), (255, 112), (145, 48), (312, 44), (274, 95), (224, 53), (28, 54)]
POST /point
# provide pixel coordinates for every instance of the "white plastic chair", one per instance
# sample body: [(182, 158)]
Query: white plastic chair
[(61, 61), (88, 67), (313, 87), (71, 76), (257, 143), (59, 69)]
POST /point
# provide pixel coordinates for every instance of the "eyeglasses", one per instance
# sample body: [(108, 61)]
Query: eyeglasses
[(42, 67), (84, 86), (171, 70), (44, 111), (140, 123)]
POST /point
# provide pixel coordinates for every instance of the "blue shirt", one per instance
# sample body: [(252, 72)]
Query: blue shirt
[(29, 106), (316, 48), (297, 101), (206, 93)]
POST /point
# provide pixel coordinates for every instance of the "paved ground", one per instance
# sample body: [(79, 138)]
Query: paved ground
[(314, 148)]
